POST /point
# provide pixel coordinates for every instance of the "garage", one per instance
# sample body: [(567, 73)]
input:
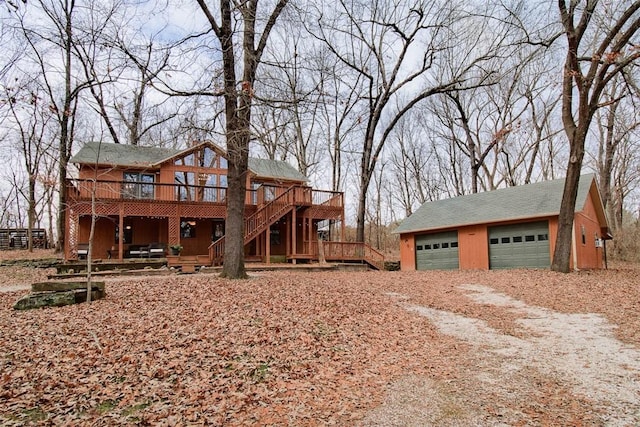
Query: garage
[(519, 245), (438, 251)]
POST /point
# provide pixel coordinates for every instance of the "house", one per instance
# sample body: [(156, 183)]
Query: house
[(507, 228), (148, 199)]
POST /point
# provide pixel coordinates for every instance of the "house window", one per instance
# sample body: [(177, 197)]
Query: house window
[(211, 192), (186, 185), (419, 247), (493, 241), (445, 245), (187, 229), (505, 240), (275, 237), (517, 239), (127, 237), (584, 234), (454, 244), (530, 238), (543, 237), (138, 185), (208, 158), (426, 247), (188, 160), (269, 193)]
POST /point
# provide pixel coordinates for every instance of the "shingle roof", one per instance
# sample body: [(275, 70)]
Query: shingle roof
[(277, 169), (525, 201), (122, 154), (138, 156)]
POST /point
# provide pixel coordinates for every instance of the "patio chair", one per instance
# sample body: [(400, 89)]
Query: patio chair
[(138, 251), (156, 250), (83, 250)]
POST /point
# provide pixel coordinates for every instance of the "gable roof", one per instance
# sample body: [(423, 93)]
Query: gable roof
[(275, 169), (522, 202), (106, 153), (123, 155)]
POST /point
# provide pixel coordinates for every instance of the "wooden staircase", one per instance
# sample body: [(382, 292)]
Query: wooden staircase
[(264, 217), (271, 212), (353, 252)]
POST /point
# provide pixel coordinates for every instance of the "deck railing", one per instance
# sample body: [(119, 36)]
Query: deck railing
[(138, 190), (153, 191), (353, 251)]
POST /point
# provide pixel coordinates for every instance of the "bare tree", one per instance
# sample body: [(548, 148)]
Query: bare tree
[(379, 42), (30, 117), (617, 123), (238, 96), (601, 44), (52, 36), (414, 163)]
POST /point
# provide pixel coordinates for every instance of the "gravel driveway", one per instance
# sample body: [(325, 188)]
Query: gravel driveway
[(578, 351)]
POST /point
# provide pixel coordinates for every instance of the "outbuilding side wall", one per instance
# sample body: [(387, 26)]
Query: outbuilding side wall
[(586, 224)]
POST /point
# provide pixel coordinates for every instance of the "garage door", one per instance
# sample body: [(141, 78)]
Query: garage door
[(437, 251), (519, 245)]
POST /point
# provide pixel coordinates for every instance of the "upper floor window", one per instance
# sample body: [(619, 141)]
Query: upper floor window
[(186, 189), (188, 160), (138, 185), (206, 158)]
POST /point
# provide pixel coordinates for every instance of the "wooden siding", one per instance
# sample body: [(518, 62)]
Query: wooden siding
[(588, 255)]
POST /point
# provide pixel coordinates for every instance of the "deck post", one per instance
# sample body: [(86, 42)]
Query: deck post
[(268, 244), (294, 235), (121, 233)]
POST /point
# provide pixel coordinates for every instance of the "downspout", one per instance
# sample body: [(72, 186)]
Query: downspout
[(604, 248)]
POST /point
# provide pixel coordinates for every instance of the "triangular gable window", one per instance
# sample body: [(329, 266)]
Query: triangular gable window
[(206, 158)]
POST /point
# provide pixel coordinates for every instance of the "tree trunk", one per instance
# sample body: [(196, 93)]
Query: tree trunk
[(362, 208), (233, 266), (564, 241)]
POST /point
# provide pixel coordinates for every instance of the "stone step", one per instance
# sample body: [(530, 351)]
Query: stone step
[(64, 286), (41, 299)]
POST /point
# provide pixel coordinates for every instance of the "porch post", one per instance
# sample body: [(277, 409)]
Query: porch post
[(342, 227), (121, 233), (268, 245), (294, 235)]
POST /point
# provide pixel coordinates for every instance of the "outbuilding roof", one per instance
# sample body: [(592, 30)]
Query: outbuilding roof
[(122, 155), (522, 202)]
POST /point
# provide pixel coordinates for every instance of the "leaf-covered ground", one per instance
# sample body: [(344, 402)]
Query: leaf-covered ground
[(292, 348)]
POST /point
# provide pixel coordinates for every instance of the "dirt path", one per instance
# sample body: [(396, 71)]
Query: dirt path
[(577, 352)]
